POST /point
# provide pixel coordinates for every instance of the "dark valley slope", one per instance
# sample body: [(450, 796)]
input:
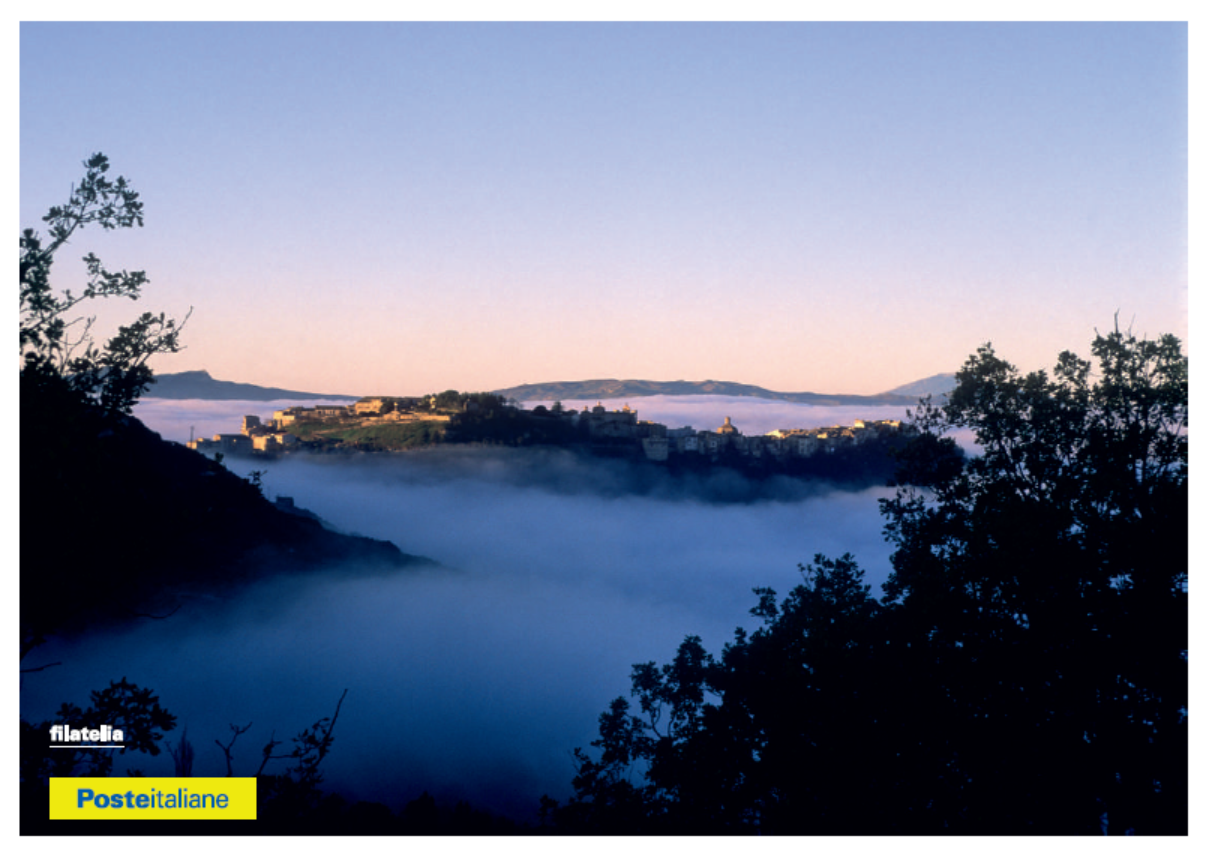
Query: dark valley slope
[(116, 521)]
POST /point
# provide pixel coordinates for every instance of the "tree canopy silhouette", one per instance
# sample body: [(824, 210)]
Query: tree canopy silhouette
[(57, 350), (1025, 673)]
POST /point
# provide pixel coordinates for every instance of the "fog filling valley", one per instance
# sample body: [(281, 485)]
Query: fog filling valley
[(473, 679)]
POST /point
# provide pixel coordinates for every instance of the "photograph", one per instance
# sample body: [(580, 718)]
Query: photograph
[(516, 427)]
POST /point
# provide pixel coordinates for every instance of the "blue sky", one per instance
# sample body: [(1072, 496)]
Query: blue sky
[(401, 208)]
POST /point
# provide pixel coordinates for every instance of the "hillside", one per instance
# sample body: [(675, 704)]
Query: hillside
[(936, 385), (115, 521), (631, 389), (199, 385)]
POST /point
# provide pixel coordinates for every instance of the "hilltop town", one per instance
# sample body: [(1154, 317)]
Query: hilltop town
[(391, 423)]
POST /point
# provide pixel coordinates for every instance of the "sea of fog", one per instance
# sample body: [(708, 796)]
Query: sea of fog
[(476, 678)]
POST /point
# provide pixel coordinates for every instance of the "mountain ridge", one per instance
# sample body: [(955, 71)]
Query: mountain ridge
[(199, 384), (934, 385), (612, 388)]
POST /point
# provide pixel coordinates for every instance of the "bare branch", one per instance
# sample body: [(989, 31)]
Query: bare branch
[(167, 615), (226, 749), (43, 667)]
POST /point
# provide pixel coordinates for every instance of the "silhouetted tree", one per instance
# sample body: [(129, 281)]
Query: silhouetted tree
[(1025, 673), (1049, 578), (112, 516), (59, 351), (123, 705), (295, 794), (74, 393)]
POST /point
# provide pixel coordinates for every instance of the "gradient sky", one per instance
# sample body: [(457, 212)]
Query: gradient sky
[(403, 208)]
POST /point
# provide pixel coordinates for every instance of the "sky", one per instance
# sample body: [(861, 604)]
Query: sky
[(401, 208)]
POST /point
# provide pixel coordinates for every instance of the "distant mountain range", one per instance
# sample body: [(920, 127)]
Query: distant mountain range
[(936, 385), (199, 385), (610, 388)]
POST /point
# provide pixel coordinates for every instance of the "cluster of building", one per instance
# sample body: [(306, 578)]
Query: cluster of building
[(603, 427), (271, 436), (658, 441), (256, 436)]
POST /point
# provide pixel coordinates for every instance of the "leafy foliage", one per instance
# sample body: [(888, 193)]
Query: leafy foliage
[(1053, 569), (295, 793), (373, 438), (113, 518), (1025, 673), (57, 349), (123, 705)]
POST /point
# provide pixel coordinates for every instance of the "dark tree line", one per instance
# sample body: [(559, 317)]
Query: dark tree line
[(486, 418), (1026, 671)]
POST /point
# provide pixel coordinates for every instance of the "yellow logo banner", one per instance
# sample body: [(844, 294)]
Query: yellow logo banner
[(135, 798)]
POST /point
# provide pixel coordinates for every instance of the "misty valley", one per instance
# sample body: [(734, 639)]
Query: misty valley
[(471, 679), (724, 464), (461, 684)]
